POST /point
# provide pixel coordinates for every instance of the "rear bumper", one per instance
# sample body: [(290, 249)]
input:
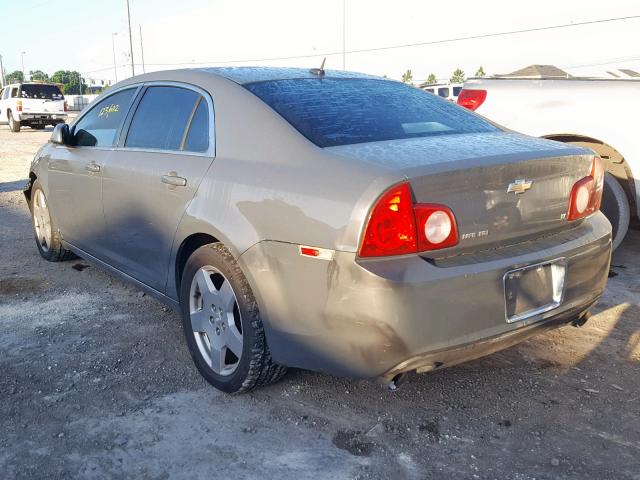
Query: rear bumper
[(381, 317), (45, 117)]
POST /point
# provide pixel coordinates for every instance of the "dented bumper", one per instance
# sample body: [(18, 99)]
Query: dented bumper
[(380, 317)]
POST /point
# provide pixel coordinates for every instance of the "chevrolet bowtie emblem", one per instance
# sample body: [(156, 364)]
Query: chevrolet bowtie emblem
[(519, 186)]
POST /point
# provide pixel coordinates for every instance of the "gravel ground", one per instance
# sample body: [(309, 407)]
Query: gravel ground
[(96, 382)]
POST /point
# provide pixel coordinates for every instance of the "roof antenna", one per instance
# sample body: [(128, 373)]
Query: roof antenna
[(319, 71)]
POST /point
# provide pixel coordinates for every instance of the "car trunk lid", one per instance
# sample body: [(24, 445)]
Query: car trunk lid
[(503, 188)]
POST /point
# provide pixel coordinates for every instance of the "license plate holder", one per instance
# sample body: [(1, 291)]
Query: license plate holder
[(534, 289)]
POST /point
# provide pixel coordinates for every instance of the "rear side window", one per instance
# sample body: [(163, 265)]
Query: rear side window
[(198, 135), (14, 92), (443, 92), (41, 92), (99, 126), (331, 111), (161, 118), (456, 91)]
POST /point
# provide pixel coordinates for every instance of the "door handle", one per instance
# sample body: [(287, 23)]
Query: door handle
[(173, 180), (93, 167)]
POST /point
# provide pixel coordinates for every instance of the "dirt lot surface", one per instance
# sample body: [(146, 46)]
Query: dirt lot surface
[(96, 382)]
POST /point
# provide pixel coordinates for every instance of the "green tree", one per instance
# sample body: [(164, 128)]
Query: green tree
[(72, 82), (38, 75), (407, 77), (458, 76), (431, 79), (15, 77), (480, 73)]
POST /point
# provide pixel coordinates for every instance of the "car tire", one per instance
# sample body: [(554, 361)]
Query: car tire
[(13, 125), (45, 232), (222, 324), (615, 207)]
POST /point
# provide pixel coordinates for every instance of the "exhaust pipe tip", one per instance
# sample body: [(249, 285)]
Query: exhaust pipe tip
[(582, 319)]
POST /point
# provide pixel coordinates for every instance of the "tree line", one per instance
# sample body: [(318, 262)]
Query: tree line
[(458, 76), (70, 81)]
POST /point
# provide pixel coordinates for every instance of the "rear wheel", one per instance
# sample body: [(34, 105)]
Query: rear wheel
[(46, 235), (615, 206), (222, 325), (14, 125)]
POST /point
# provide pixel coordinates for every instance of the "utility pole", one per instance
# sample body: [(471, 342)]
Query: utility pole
[(344, 34), (133, 70), (141, 49), (113, 46), (22, 58), (2, 73)]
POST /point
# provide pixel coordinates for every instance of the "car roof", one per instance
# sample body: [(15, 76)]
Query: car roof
[(244, 75)]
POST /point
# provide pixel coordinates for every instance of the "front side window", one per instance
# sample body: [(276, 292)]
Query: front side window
[(161, 118), (98, 128), (334, 111)]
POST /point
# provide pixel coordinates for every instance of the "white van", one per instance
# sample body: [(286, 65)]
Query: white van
[(34, 105)]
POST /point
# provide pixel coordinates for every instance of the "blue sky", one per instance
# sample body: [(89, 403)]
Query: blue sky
[(79, 35)]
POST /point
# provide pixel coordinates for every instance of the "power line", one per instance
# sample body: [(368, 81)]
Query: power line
[(391, 47), (409, 45)]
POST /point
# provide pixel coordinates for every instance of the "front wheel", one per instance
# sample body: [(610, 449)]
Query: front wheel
[(615, 207), (46, 235), (14, 125), (222, 324)]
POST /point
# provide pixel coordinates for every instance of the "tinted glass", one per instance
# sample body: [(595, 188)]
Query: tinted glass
[(198, 136), (44, 92), (14, 92), (443, 92), (333, 112), (161, 118), (99, 126), (456, 91)]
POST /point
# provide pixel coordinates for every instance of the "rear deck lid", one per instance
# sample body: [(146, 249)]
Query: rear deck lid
[(503, 188)]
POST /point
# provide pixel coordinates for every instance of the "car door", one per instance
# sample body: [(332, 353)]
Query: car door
[(3, 104), (153, 175), (75, 172)]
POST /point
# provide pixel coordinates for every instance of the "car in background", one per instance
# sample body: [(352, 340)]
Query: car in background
[(324, 220), (600, 114), (450, 91), (33, 104)]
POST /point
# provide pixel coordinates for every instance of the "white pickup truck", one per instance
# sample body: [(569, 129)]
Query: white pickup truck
[(34, 105), (601, 114)]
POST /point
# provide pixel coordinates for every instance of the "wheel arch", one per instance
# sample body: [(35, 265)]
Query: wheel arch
[(27, 188), (614, 162), (189, 245)]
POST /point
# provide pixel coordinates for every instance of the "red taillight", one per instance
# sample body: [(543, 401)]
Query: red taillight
[(391, 229), (397, 226), (19, 105), (586, 194), (66, 107), (471, 99)]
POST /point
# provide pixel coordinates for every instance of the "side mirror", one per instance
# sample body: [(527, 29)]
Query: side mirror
[(60, 134)]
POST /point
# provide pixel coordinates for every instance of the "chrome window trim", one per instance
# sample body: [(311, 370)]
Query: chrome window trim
[(211, 150)]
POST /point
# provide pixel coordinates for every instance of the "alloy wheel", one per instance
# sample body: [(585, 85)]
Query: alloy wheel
[(215, 320)]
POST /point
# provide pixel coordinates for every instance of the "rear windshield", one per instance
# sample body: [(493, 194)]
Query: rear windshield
[(331, 112), (43, 92)]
